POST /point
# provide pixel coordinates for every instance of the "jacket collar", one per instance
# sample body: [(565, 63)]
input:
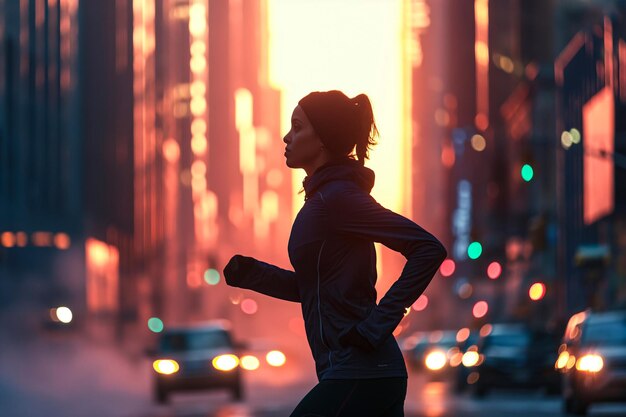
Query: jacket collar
[(343, 169)]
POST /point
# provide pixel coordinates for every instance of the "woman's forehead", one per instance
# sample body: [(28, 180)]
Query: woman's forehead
[(299, 114)]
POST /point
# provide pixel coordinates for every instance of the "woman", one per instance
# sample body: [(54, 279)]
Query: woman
[(359, 365)]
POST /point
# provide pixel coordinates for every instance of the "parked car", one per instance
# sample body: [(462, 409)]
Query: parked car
[(592, 360), (196, 358), (467, 347), (514, 356)]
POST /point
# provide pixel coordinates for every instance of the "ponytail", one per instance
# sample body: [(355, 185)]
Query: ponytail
[(367, 130), (345, 125)]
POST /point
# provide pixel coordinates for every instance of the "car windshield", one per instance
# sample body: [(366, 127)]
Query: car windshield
[(194, 340), (608, 332)]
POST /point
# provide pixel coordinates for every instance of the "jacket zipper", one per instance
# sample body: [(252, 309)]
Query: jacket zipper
[(319, 306)]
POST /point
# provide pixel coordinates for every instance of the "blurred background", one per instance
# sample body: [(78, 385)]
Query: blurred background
[(141, 147)]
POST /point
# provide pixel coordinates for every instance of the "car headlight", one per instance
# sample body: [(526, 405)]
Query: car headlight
[(165, 366), (562, 360), (470, 358), (590, 363), (565, 361), (275, 358), (225, 362), (435, 360), (250, 363)]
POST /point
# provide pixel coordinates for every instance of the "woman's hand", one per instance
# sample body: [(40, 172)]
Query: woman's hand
[(237, 268), (354, 338)]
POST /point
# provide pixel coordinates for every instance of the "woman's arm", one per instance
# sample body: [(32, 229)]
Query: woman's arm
[(249, 273), (357, 214)]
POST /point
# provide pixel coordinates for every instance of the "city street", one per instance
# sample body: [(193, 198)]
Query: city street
[(205, 204), (66, 375)]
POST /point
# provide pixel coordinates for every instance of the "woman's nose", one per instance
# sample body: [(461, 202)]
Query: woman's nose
[(286, 138)]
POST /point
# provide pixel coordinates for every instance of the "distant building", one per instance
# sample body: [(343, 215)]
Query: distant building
[(41, 162), (138, 151), (590, 73)]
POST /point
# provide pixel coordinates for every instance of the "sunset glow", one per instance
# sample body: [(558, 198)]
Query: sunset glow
[(358, 48)]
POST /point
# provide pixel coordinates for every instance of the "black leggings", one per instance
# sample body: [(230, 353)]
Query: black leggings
[(382, 397)]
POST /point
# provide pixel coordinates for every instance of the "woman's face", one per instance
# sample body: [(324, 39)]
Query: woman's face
[(304, 148)]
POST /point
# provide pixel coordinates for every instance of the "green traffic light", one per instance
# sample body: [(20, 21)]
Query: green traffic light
[(474, 250), (155, 324), (527, 172)]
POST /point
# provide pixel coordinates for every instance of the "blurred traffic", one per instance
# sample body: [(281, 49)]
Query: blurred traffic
[(592, 360)]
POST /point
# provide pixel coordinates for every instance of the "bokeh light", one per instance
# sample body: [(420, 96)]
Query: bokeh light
[(447, 268), (212, 276), (478, 143), (472, 378), (64, 314), (225, 362), (435, 360), (462, 334), (62, 241), (8, 239), (447, 156), (480, 309), (250, 362), (494, 270), (171, 150), (249, 306), (537, 291), (155, 324), (275, 358), (566, 140), (474, 250), (485, 330), (421, 303), (527, 172), (21, 239), (166, 366)]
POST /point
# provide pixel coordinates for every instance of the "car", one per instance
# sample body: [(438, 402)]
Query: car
[(592, 360), (468, 352), (196, 357), (438, 353), (430, 352), (514, 356), (413, 347)]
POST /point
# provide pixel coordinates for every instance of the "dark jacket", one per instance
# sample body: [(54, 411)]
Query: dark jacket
[(331, 248)]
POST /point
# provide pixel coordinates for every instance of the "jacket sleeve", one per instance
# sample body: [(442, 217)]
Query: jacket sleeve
[(249, 273), (358, 215)]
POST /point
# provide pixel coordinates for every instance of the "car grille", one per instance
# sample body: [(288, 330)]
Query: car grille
[(196, 367)]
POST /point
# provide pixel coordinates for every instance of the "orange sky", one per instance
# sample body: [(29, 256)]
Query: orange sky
[(354, 46)]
